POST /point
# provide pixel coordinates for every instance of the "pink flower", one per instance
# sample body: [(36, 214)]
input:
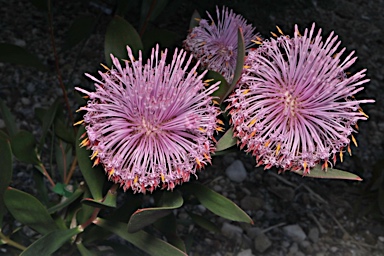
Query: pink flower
[(215, 45), (151, 124), (295, 104)]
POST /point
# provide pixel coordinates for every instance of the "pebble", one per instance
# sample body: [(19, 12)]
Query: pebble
[(251, 203), (25, 101), (20, 42), (236, 171), (247, 252), (253, 232), (217, 188), (313, 234), (262, 243), (231, 231), (295, 232), (2, 124)]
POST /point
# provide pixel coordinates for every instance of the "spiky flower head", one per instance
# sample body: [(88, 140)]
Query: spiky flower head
[(295, 105), (151, 124), (215, 44)]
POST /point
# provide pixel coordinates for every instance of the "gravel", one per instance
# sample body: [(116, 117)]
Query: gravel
[(322, 212)]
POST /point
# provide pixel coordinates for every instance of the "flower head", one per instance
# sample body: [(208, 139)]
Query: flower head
[(295, 105), (215, 45), (151, 124)]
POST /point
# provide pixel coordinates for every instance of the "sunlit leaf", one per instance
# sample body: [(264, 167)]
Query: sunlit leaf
[(119, 34), (5, 173), (217, 203), (14, 54), (204, 223), (144, 217), (28, 210), (51, 242), (23, 146), (94, 177), (80, 29), (317, 172), (8, 118), (143, 240), (195, 19), (226, 141), (239, 63)]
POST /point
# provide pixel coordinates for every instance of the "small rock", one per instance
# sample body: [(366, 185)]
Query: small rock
[(217, 188), (20, 42), (247, 252), (313, 234), (2, 124), (251, 203), (231, 231), (262, 243), (334, 249), (236, 171), (25, 101), (254, 232), (293, 249), (381, 238), (295, 232), (201, 208)]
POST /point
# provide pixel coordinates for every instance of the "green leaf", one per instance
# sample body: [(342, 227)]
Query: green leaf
[(17, 55), (64, 131), (83, 250), (48, 118), (63, 156), (80, 29), (143, 240), (226, 141), (223, 86), (317, 172), (51, 242), (61, 189), (94, 177), (195, 20), (144, 217), (204, 223), (163, 37), (67, 201), (217, 203), (23, 146), (108, 202), (119, 34), (239, 63), (168, 227), (150, 10), (29, 211), (5, 173), (8, 118)]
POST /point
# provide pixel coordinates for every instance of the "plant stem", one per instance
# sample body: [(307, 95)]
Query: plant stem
[(58, 72), (142, 30), (71, 170), (46, 174), (4, 239)]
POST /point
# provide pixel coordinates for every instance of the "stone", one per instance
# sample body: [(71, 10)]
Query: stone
[(262, 243), (251, 203), (247, 252), (236, 171), (231, 231), (295, 232), (253, 232), (313, 234)]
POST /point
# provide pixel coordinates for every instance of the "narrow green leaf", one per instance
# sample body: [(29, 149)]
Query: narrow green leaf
[(119, 34), (144, 217), (223, 86), (195, 20), (29, 211), (317, 172), (204, 223), (80, 29), (23, 146), (217, 203), (239, 63), (84, 251), (63, 156), (168, 227), (108, 202), (94, 177), (51, 242), (143, 240), (8, 118), (14, 54), (67, 201), (226, 141), (48, 118), (63, 130), (5, 173)]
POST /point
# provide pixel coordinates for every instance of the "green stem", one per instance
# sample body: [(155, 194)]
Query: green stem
[(4, 239)]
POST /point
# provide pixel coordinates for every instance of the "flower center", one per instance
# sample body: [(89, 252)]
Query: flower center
[(148, 128), (290, 104)]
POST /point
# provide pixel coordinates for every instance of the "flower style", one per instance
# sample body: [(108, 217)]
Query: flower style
[(216, 45), (151, 124), (295, 104)]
